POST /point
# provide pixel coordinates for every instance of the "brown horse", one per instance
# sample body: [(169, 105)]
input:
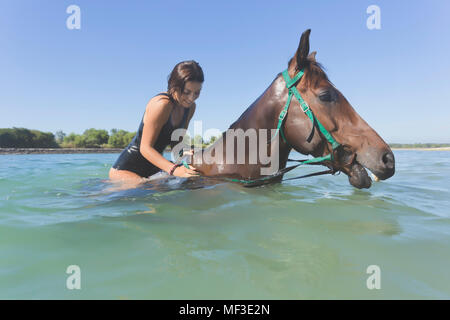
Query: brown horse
[(360, 146)]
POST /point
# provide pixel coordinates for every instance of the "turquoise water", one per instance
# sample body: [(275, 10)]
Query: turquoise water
[(312, 238)]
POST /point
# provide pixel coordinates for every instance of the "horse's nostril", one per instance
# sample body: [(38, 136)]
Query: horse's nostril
[(388, 160)]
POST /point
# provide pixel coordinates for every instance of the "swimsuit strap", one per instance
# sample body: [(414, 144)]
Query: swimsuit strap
[(186, 111)]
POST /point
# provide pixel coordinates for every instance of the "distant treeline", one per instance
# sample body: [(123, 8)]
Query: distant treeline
[(24, 138), (91, 138), (419, 145), (95, 138)]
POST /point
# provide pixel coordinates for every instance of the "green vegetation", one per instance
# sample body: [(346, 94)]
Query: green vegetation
[(94, 138), (25, 138), (419, 145), (120, 138), (59, 136), (91, 138)]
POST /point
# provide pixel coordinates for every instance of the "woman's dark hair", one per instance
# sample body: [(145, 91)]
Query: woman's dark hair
[(183, 72)]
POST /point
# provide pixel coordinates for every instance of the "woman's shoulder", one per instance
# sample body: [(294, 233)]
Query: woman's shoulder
[(162, 97), (161, 100)]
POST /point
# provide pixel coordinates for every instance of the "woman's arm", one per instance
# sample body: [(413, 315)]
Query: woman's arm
[(156, 115)]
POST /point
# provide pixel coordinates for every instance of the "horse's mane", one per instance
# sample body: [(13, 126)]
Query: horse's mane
[(314, 72)]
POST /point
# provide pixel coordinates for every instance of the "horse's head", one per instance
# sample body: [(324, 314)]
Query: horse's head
[(360, 146)]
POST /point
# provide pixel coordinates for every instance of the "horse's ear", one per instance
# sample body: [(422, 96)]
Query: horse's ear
[(312, 56), (303, 50)]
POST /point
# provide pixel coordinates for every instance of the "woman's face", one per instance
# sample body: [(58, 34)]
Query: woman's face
[(190, 93)]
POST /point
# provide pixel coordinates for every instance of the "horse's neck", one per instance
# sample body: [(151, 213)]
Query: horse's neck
[(262, 114)]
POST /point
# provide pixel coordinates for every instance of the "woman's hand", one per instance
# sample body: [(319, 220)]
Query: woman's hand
[(188, 153), (184, 172)]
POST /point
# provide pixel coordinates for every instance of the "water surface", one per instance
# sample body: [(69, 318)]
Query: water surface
[(311, 238)]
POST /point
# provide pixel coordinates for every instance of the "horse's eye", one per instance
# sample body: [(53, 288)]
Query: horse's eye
[(326, 96)]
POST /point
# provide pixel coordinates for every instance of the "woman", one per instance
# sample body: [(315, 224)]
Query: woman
[(164, 113)]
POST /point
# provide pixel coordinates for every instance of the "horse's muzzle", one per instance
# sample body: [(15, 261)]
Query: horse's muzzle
[(380, 162), (384, 168)]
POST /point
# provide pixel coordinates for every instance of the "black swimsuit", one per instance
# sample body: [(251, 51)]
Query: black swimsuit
[(131, 158)]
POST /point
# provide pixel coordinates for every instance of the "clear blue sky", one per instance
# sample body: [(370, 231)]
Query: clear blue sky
[(53, 78)]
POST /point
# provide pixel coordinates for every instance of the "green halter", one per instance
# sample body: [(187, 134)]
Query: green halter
[(290, 84)]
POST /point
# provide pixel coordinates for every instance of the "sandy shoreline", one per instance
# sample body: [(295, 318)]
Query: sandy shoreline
[(117, 150), (424, 149)]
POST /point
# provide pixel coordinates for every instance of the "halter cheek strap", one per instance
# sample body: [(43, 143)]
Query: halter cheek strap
[(290, 84), (292, 91)]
